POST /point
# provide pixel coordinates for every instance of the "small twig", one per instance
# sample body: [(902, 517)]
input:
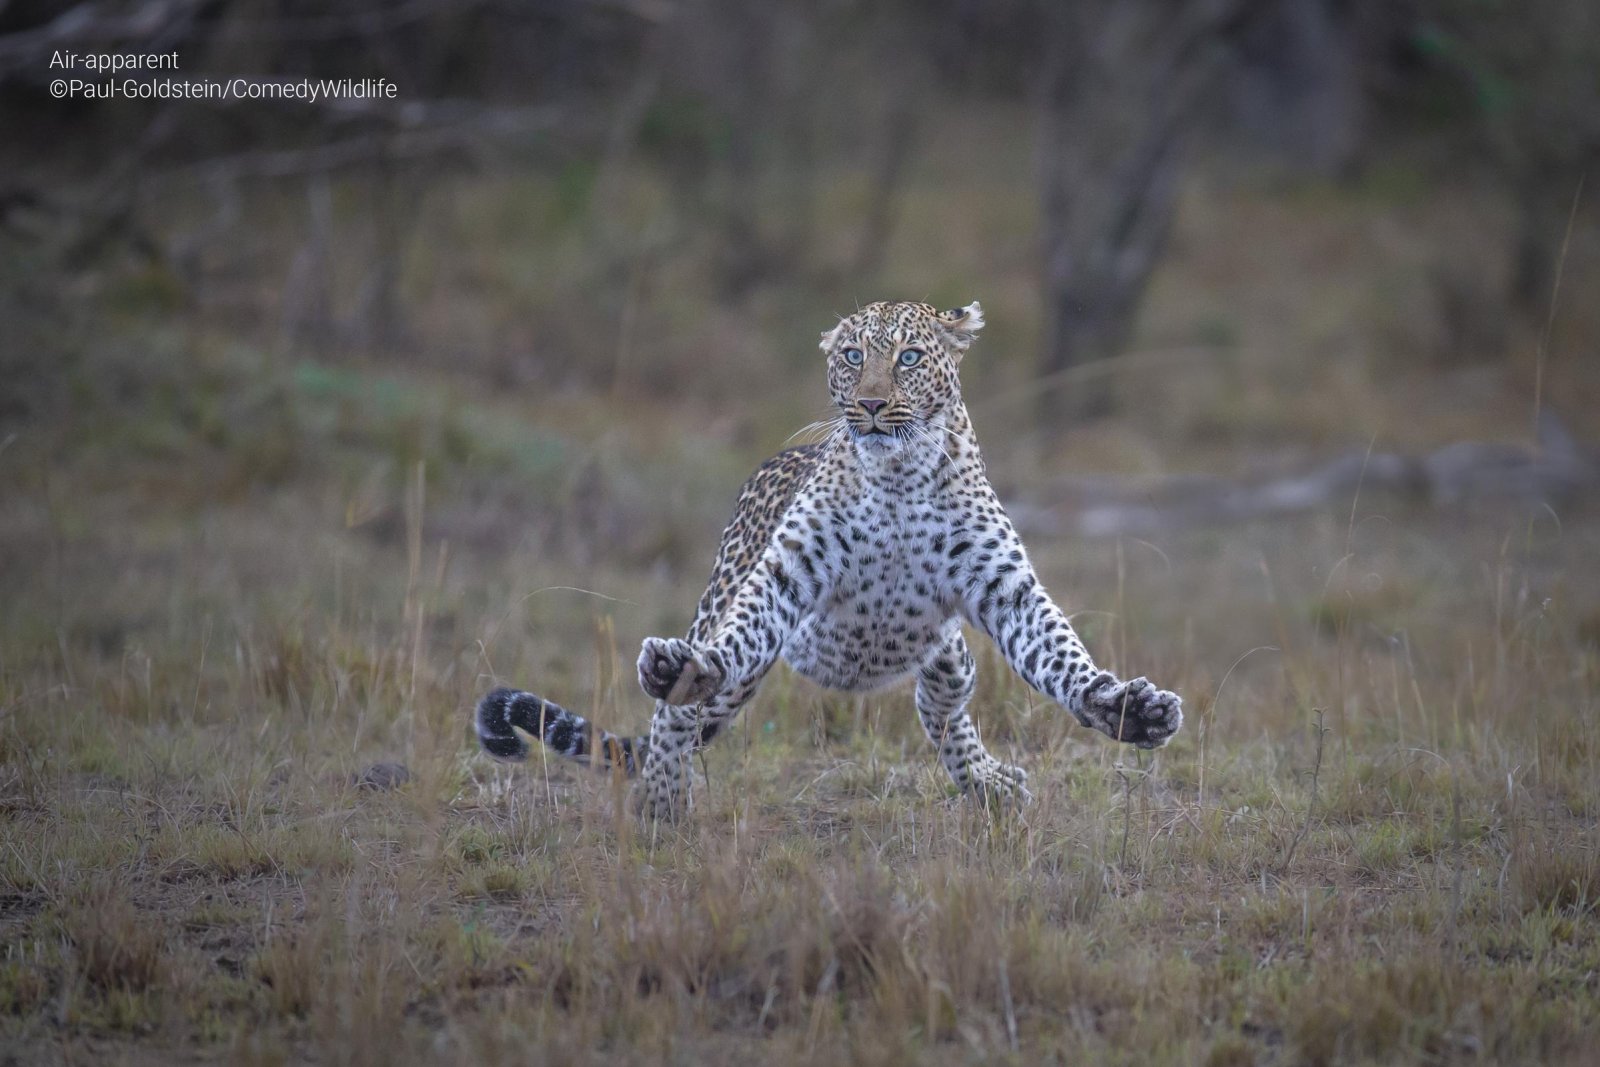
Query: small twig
[(1010, 1009), (1316, 777), (1550, 319), (1455, 833), (1127, 814), (1205, 720), (1091, 370)]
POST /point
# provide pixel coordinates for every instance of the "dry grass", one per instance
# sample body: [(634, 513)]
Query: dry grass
[(188, 865)]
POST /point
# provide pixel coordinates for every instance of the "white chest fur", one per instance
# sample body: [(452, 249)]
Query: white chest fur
[(885, 609)]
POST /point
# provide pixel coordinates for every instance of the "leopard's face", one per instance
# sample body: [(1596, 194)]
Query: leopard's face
[(892, 369)]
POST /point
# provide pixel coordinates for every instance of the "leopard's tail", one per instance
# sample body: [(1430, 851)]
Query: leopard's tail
[(570, 735)]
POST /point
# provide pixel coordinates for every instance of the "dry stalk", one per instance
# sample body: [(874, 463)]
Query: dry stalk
[(1311, 808)]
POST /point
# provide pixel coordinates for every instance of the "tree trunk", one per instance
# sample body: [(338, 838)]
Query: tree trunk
[(1125, 86)]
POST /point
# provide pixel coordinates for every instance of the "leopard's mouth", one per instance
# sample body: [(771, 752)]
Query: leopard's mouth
[(875, 438), (878, 441)]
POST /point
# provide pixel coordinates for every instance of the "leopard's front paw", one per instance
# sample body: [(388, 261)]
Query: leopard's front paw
[(1002, 783), (670, 670), (1136, 712)]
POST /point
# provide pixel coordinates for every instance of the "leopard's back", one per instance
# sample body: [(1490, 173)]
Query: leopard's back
[(761, 506)]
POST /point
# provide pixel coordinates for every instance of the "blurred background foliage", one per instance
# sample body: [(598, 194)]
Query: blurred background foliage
[(586, 237)]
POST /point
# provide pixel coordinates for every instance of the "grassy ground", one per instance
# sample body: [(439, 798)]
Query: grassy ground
[(239, 576), (188, 864), (191, 867)]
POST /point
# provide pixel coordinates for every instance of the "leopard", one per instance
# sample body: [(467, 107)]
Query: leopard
[(860, 559)]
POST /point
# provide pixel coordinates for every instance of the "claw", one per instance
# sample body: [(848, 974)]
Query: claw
[(670, 670), (688, 678)]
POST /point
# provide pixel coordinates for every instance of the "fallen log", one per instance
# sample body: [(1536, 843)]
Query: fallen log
[(1555, 472)]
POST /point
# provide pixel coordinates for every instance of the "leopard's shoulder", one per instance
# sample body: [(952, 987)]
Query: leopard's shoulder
[(762, 503)]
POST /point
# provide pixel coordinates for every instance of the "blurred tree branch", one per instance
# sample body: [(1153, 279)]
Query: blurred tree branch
[(151, 25), (1124, 91)]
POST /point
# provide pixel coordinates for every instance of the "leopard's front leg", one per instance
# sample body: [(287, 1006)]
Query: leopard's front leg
[(700, 689), (1002, 595)]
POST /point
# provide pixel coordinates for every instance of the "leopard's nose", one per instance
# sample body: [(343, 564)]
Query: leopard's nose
[(872, 404)]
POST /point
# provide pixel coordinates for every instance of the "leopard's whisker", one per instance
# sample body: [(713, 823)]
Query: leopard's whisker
[(820, 430)]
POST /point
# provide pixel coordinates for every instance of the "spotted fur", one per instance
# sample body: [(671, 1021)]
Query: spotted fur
[(857, 560)]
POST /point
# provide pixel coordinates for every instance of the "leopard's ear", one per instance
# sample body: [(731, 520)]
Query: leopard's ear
[(961, 326), (830, 338)]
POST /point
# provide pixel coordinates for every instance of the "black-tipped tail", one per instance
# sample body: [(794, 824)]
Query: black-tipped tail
[(570, 735), (498, 711)]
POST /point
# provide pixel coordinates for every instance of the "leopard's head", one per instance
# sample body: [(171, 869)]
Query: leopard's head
[(892, 369)]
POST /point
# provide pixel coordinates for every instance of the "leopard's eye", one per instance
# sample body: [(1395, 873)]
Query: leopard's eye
[(911, 357), (852, 356)]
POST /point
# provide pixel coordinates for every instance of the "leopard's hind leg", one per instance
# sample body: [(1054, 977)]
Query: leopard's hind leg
[(944, 689)]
